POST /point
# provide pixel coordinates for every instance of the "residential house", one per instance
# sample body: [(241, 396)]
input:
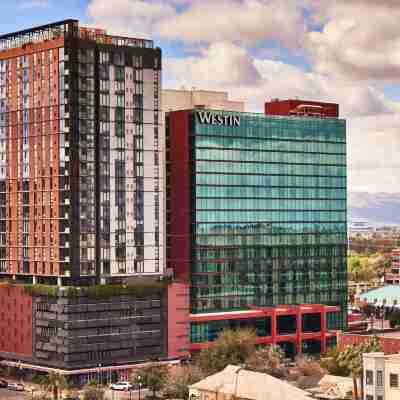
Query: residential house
[(241, 384)]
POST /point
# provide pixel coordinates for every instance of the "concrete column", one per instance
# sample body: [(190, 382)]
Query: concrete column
[(34, 279), (274, 325), (59, 281), (324, 330), (298, 332)]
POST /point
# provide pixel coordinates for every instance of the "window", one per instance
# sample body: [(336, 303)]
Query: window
[(369, 377), (369, 397), (379, 378), (394, 380), (379, 398)]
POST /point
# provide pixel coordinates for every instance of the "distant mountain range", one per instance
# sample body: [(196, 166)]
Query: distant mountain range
[(377, 208)]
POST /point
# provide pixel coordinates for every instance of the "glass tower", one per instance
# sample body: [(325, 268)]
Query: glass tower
[(267, 212)]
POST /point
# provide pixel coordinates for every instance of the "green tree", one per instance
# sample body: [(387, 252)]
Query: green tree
[(330, 363), (394, 319), (178, 382), (231, 347), (154, 377), (351, 358), (54, 383), (93, 392), (269, 360)]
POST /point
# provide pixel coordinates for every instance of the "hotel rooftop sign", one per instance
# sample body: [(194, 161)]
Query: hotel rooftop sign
[(213, 118)]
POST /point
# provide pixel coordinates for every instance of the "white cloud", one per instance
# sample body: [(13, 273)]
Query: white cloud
[(373, 121), (239, 21), (354, 46), (135, 17), (229, 67), (373, 153), (222, 64), (359, 39), (245, 21)]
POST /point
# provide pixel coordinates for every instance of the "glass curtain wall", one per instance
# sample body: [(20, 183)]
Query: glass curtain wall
[(270, 213)]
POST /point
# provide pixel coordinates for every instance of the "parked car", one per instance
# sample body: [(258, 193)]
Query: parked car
[(19, 387), (3, 383), (121, 386)]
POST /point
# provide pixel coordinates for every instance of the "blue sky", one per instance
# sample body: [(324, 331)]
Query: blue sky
[(262, 49)]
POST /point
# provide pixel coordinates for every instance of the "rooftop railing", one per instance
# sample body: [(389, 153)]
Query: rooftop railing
[(67, 28)]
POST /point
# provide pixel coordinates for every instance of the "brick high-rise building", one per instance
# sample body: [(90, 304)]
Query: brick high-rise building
[(81, 201), (81, 155)]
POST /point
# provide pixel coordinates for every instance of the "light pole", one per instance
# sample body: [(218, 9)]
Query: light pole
[(139, 379), (98, 375)]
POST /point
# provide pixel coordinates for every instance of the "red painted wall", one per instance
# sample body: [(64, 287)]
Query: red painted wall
[(16, 334), (180, 195), (389, 345), (178, 320), (283, 107)]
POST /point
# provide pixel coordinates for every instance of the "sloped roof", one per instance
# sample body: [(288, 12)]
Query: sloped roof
[(250, 385), (336, 386)]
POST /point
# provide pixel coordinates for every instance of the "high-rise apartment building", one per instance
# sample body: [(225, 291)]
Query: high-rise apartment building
[(256, 221), (81, 201), (81, 155)]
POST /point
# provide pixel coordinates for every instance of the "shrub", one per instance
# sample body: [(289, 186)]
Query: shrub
[(41, 290)]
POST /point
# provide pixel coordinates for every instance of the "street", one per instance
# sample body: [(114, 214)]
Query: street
[(6, 394), (121, 395)]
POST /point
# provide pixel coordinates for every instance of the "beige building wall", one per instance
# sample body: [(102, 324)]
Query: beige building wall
[(388, 366), (173, 100), (392, 367), (374, 363)]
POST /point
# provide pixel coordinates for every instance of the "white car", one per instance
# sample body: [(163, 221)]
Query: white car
[(121, 386), (19, 387)]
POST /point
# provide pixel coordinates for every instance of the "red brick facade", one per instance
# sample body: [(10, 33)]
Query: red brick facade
[(16, 334), (178, 319), (33, 247), (389, 345)]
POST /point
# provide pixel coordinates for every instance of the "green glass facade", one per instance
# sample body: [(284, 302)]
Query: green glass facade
[(269, 213)]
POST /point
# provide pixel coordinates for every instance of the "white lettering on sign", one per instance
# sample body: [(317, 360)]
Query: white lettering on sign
[(210, 118)]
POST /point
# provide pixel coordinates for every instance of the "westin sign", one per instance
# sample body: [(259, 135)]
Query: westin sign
[(211, 118)]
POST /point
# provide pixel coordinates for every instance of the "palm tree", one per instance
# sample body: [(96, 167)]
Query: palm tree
[(55, 383), (352, 359)]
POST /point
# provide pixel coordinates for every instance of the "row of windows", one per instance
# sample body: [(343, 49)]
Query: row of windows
[(293, 280), (234, 301), (269, 216), (241, 167), (260, 126), (281, 228), (269, 192), (276, 240), (263, 268), (264, 204), (269, 144), (262, 239), (271, 157), (270, 181)]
